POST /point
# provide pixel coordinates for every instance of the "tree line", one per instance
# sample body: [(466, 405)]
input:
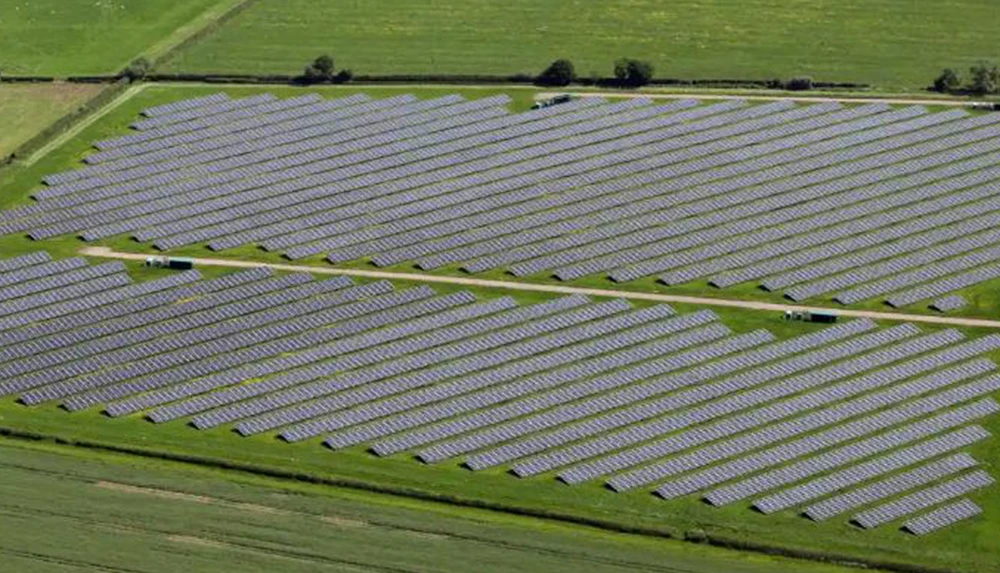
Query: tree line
[(632, 73), (983, 79)]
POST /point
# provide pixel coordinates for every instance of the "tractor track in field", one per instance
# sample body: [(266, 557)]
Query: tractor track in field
[(105, 252)]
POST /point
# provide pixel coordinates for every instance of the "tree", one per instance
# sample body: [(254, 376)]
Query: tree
[(948, 81), (137, 69), (985, 79), (559, 73), (324, 65), (321, 70), (633, 73)]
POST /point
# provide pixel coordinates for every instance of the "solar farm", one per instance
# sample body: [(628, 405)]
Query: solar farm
[(855, 422), (407, 287), (817, 202)]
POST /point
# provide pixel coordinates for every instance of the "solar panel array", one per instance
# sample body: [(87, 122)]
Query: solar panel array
[(849, 203), (835, 422)]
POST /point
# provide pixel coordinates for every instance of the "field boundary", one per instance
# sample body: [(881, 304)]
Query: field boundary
[(40, 142), (106, 252), (429, 496), (77, 121), (702, 89)]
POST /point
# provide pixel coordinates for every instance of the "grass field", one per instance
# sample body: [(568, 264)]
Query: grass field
[(26, 109), (78, 37), (72, 510), (881, 42)]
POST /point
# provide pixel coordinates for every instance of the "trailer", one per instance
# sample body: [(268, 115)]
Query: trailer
[(562, 98), (985, 106), (810, 316), (178, 263)]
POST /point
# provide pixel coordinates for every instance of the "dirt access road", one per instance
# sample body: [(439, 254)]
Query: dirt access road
[(105, 252)]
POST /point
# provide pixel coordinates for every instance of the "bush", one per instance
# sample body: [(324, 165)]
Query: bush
[(775, 84), (799, 84), (696, 535), (559, 73), (343, 76), (985, 79), (633, 73), (948, 81), (137, 69)]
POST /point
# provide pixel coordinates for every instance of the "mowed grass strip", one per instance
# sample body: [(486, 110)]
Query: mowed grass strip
[(71, 509), (880, 42), (26, 109), (75, 37)]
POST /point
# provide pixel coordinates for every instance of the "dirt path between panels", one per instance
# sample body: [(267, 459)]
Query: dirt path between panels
[(105, 252)]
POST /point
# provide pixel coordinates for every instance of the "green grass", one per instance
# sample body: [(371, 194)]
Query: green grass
[(26, 109), (83, 510), (83, 37), (880, 42)]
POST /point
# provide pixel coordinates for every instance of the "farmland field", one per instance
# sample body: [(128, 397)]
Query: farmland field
[(67, 511), (885, 43), (26, 109), (75, 37)]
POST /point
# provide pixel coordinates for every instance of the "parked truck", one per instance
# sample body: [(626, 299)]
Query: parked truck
[(170, 263), (810, 316)]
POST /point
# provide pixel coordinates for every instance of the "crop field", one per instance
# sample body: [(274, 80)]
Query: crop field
[(821, 203), (882, 42), (164, 518), (847, 423), (71, 37), (26, 109)]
